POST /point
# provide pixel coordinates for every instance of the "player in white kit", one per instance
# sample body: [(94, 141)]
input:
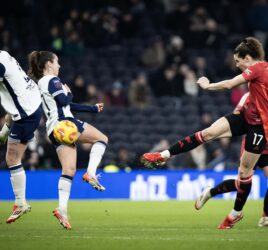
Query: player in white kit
[(21, 99), (57, 105)]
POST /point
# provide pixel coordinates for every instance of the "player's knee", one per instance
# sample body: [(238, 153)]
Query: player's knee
[(208, 134), (245, 171), (104, 139), (12, 159), (70, 171), (9, 161), (246, 165)]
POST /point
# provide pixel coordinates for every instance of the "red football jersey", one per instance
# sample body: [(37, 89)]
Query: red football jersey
[(249, 110), (257, 76), (240, 107)]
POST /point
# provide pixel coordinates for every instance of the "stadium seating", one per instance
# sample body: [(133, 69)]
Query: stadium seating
[(102, 64)]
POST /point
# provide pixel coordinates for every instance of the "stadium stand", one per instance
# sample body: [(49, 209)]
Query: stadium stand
[(104, 41)]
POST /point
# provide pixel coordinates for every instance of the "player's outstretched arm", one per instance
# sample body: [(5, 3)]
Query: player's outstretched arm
[(204, 83), (87, 108)]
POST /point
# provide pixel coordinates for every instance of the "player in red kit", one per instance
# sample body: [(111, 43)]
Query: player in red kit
[(231, 125), (249, 58)]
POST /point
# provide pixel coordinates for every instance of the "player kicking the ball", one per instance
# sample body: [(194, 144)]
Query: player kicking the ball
[(252, 120)]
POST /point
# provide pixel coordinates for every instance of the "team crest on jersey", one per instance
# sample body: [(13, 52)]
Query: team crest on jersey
[(57, 84), (248, 72)]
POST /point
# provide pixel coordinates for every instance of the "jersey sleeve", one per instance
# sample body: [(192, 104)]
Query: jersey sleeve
[(55, 87), (251, 72), (64, 100), (244, 99), (2, 70), (84, 108)]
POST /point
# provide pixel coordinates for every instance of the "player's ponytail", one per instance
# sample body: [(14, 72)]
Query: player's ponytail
[(250, 46), (37, 62)]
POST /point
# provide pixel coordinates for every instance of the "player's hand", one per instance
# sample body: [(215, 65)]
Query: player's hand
[(100, 106), (203, 82), (67, 88)]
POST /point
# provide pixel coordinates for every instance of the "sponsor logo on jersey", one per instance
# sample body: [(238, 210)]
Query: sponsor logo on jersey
[(57, 84)]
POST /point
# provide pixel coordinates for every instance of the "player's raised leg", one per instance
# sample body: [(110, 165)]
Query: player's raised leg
[(218, 129), (99, 142)]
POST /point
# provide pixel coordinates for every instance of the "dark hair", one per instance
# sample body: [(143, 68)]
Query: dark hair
[(37, 62), (250, 46)]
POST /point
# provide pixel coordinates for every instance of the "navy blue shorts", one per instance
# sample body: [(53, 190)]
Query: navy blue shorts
[(79, 124), (23, 130)]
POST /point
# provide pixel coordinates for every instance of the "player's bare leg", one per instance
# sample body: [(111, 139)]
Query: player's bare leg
[(67, 156)]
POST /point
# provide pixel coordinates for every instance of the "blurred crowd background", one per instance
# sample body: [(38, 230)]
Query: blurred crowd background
[(142, 59)]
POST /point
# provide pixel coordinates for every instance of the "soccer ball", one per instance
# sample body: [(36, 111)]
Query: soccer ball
[(65, 132)]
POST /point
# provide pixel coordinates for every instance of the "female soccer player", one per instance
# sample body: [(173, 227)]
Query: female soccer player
[(57, 105), (249, 58), (21, 99)]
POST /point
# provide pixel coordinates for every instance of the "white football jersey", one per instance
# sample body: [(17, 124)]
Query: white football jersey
[(19, 94), (50, 86)]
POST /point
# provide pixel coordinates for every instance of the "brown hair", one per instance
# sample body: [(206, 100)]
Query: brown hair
[(250, 46), (37, 62)]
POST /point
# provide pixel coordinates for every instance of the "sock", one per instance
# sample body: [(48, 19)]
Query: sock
[(64, 186), (95, 157), (18, 181), (243, 186), (224, 187), (234, 213), (165, 154), (187, 144), (265, 205)]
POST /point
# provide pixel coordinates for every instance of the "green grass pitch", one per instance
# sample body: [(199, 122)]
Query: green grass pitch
[(125, 225)]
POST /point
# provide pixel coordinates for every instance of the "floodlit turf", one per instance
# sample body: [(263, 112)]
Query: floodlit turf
[(133, 225)]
